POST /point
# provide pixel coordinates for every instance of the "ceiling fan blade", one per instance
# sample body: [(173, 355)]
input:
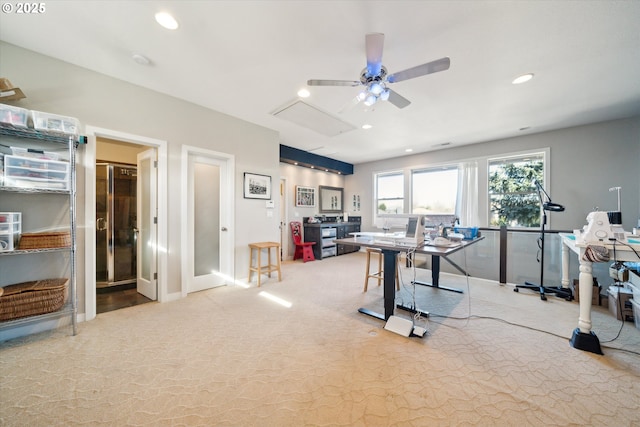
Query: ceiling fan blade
[(397, 99), (374, 44), (441, 64), (333, 83)]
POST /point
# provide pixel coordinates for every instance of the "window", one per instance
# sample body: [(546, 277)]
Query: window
[(434, 190), (513, 196), (390, 193)]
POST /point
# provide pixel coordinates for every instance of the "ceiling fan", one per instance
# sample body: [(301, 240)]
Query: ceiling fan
[(374, 76)]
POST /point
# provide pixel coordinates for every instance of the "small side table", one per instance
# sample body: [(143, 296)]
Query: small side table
[(259, 268)]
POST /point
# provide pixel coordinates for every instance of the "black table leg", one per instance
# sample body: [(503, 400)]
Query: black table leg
[(389, 260), (435, 277)]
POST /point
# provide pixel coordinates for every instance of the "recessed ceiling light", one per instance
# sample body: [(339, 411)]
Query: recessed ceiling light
[(522, 79), (366, 126), (304, 93), (408, 150), (166, 20)]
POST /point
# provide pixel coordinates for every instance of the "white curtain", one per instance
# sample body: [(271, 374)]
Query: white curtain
[(467, 202)]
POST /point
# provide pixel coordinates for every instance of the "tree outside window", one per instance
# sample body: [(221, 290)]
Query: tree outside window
[(390, 193), (513, 197)]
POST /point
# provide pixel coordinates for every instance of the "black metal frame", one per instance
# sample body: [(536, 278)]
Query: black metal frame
[(545, 290)]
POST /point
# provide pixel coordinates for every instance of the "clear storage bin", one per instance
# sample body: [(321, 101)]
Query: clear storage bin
[(14, 116), (54, 123)]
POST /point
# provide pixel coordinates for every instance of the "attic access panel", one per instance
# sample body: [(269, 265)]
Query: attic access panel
[(313, 118)]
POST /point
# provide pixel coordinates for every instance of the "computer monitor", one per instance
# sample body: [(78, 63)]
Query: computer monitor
[(412, 227), (414, 234)]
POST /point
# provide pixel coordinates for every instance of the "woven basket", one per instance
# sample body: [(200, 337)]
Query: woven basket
[(46, 240), (32, 298)]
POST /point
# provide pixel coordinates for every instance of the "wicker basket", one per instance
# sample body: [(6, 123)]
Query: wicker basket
[(46, 240), (32, 298)]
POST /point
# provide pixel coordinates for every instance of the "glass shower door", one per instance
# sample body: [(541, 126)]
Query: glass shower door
[(115, 224), (124, 223)]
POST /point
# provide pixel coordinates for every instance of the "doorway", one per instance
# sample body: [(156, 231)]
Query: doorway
[(107, 146), (124, 198)]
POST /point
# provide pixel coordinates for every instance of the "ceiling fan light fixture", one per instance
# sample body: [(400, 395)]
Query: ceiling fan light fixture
[(370, 100), (522, 79), (385, 95), (376, 88)]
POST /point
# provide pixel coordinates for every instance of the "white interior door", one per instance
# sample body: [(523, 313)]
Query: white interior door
[(207, 226), (147, 224)]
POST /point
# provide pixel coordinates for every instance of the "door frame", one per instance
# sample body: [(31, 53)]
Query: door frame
[(228, 209), (89, 162), (284, 218)]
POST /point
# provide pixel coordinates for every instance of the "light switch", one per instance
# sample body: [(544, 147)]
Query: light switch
[(270, 204)]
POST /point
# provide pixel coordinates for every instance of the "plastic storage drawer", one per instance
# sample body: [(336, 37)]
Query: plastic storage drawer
[(26, 172), (10, 230)]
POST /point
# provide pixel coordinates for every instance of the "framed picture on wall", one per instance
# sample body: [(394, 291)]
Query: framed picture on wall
[(305, 196), (257, 186)]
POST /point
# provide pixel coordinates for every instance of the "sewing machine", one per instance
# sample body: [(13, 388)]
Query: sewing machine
[(599, 229)]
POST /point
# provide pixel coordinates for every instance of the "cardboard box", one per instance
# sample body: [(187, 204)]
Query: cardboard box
[(618, 297), (595, 296)]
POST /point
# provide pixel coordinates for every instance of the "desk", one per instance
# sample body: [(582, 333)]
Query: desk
[(390, 253), (583, 338)]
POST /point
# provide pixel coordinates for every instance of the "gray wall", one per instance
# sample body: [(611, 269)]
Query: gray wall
[(585, 162), (57, 87)]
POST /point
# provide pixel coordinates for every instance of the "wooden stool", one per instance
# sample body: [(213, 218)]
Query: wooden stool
[(378, 275), (259, 268)]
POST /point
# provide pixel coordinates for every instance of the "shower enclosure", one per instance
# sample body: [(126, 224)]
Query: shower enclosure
[(116, 232)]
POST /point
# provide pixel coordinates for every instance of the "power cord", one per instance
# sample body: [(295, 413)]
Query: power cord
[(418, 315), (518, 325), (469, 316)]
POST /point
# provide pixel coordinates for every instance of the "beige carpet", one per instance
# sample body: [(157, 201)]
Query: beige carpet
[(230, 357)]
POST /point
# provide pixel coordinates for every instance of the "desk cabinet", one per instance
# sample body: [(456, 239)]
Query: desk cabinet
[(343, 233), (324, 235)]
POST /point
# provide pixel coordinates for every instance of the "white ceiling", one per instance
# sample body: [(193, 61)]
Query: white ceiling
[(249, 58)]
